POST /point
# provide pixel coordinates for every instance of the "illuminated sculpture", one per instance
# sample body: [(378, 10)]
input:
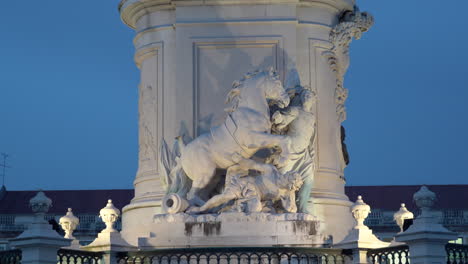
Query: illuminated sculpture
[(402, 215), (69, 222)]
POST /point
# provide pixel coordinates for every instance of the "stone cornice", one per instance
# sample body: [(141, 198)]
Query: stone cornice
[(132, 10)]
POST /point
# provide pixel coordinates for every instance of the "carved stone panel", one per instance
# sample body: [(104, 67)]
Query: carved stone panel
[(216, 63), (150, 108), (146, 137)]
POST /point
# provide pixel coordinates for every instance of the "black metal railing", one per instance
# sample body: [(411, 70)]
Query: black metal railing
[(10, 256), (456, 253), (284, 255), (389, 255), (68, 256)]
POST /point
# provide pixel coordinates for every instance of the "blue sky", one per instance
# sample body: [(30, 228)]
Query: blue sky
[(68, 95)]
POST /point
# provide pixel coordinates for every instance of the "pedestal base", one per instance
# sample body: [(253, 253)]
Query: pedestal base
[(337, 216), (233, 230), (137, 219)]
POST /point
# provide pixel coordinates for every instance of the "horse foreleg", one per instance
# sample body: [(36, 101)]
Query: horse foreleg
[(193, 197), (199, 183)]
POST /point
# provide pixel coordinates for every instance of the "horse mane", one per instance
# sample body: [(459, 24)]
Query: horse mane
[(234, 94)]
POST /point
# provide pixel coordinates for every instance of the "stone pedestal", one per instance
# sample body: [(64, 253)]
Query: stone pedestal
[(39, 244), (234, 230), (426, 238), (108, 242), (360, 238), (189, 53)]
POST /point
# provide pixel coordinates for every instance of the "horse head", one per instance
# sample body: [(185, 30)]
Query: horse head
[(267, 83)]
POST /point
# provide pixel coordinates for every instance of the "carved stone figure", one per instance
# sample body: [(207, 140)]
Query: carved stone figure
[(298, 123), (256, 193), (245, 130)]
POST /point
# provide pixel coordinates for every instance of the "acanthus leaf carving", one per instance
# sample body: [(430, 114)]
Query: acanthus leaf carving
[(352, 24)]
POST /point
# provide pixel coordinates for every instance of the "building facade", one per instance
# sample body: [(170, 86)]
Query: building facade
[(451, 209)]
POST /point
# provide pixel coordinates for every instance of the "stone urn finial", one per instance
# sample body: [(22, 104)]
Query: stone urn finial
[(360, 212), (69, 222), (109, 216), (424, 199), (401, 215), (40, 205)]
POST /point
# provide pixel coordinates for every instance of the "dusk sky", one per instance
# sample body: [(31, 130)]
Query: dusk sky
[(68, 95)]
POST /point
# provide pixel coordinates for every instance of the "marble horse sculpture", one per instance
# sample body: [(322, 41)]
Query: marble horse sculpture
[(256, 193), (245, 130)]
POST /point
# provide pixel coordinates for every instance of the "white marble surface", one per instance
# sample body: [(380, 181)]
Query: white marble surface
[(39, 242), (426, 238), (234, 229), (361, 236), (189, 52)]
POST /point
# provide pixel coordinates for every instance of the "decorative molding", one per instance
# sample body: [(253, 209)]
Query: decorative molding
[(132, 10), (339, 173), (147, 106), (147, 175), (147, 51), (151, 110), (351, 25), (152, 29), (315, 48), (239, 22), (235, 42)]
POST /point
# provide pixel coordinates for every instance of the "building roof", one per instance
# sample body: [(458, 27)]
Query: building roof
[(390, 197), (82, 201), (91, 201)]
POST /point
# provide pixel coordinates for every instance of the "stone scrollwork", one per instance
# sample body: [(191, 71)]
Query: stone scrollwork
[(351, 25)]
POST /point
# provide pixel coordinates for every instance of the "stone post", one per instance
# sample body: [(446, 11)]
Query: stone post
[(360, 238), (401, 215), (69, 222), (426, 238), (39, 243), (109, 240)]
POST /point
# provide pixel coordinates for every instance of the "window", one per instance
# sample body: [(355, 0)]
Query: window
[(457, 241), (453, 213), (375, 218), (86, 221), (7, 219)]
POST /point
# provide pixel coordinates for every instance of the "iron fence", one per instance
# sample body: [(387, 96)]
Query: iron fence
[(10, 256), (68, 256), (389, 255), (283, 255), (456, 253)]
